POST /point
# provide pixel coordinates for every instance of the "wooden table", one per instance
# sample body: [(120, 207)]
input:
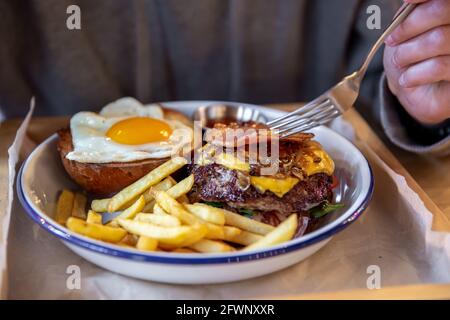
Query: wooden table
[(429, 177)]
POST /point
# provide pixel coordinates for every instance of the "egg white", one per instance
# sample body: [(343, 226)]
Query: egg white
[(91, 145)]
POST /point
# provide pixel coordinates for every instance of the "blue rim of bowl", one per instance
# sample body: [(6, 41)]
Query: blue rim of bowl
[(184, 259)]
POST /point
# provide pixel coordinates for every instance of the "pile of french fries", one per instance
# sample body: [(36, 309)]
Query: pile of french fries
[(156, 216)]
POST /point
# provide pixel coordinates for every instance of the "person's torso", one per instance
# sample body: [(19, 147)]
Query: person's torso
[(252, 51)]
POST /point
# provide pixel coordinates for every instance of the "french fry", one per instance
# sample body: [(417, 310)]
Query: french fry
[(241, 222), (64, 206), (96, 231), (198, 234), (159, 220), (174, 236), (79, 206), (131, 211), (182, 187), (172, 180), (94, 217), (214, 232), (173, 207), (205, 154), (145, 183), (113, 224), (245, 238), (164, 185), (201, 231), (160, 211), (231, 232), (207, 213), (147, 244), (284, 232), (208, 148), (149, 207), (230, 161), (100, 205), (210, 246)]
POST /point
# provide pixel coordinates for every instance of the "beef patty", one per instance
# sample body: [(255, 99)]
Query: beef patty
[(216, 183)]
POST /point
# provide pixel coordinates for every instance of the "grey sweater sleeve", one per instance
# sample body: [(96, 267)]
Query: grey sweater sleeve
[(407, 133)]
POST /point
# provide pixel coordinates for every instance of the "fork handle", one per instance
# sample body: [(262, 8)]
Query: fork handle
[(403, 13)]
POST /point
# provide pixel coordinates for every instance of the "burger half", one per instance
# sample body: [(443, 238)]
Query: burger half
[(302, 184)]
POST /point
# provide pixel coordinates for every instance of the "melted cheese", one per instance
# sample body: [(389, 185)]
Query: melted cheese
[(314, 151), (310, 163), (314, 160), (278, 186), (232, 162)]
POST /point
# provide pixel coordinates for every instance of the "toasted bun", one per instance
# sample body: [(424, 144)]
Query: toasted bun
[(106, 179)]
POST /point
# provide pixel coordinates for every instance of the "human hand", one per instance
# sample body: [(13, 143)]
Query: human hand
[(417, 61)]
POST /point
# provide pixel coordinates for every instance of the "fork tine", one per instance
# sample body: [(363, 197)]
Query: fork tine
[(296, 113), (303, 115), (299, 112), (312, 124), (309, 126), (326, 109)]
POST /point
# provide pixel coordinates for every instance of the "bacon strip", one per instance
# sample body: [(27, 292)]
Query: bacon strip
[(235, 135)]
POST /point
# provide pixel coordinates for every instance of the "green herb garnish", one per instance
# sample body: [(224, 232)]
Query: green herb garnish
[(324, 209), (247, 212), (214, 204)]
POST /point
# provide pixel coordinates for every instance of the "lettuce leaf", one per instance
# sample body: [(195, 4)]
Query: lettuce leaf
[(214, 204), (324, 209), (247, 212)]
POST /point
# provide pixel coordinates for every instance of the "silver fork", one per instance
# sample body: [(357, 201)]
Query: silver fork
[(338, 99)]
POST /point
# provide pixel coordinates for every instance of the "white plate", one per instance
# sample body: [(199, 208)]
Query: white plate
[(42, 177)]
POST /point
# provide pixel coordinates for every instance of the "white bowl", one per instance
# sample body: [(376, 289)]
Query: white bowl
[(42, 176)]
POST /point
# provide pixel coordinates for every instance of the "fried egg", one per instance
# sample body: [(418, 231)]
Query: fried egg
[(126, 131)]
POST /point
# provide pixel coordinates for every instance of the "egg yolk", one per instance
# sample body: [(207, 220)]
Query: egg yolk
[(139, 130)]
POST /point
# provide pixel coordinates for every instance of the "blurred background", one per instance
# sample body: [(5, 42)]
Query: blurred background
[(258, 51)]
